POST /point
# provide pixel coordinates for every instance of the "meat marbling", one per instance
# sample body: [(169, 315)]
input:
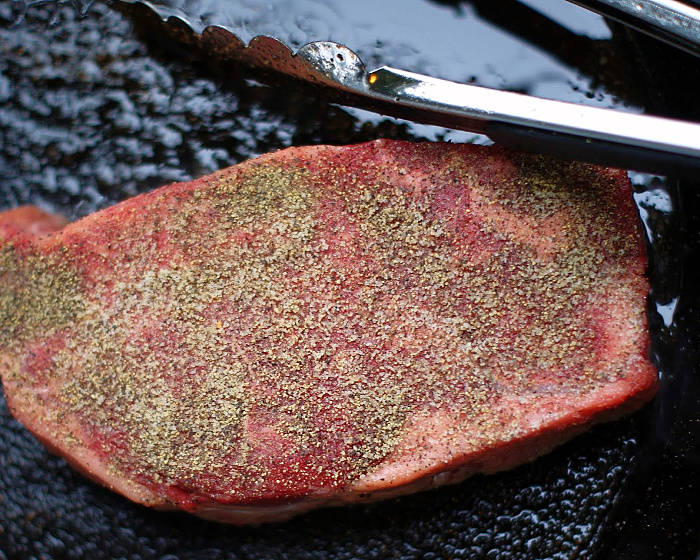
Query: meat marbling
[(326, 325)]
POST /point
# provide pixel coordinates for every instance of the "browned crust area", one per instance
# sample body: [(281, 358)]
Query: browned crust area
[(323, 324)]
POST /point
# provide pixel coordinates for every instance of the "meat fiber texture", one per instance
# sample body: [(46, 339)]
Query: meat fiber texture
[(325, 325)]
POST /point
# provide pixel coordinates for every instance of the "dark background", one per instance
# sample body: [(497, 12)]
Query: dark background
[(98, 108)]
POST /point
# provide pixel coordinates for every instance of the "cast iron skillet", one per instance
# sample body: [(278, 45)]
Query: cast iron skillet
[(94, 110)]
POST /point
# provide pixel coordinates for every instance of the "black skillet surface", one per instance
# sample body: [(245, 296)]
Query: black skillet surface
[(90, 113)]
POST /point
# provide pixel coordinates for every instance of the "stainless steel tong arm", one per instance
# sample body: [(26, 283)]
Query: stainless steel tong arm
[(487, 106), (606, 136), (672, 21)]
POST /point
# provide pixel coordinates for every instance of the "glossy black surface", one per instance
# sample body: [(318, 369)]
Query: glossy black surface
[(659, 513), (94, 110)]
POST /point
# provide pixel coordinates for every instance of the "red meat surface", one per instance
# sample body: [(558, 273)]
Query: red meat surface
[(326, 325)]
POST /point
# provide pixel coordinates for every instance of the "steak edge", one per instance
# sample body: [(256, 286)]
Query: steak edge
[(326, 325)]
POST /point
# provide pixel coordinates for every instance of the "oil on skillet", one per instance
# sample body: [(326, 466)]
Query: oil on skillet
[(91, 115)]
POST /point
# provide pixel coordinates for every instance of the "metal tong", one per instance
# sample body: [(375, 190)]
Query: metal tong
[(584, 133), (671, 21)]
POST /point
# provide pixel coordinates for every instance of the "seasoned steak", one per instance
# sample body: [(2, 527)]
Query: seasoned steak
[(326, 325)]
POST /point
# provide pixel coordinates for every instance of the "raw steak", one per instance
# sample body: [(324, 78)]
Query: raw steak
[(326, 325)]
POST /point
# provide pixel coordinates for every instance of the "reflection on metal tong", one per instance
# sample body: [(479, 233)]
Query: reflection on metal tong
[(609, 137), (672, 21)]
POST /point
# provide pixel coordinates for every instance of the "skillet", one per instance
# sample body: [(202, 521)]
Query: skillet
[(94, 110)]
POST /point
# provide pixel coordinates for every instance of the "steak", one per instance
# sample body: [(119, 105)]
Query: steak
[(326, 325)]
